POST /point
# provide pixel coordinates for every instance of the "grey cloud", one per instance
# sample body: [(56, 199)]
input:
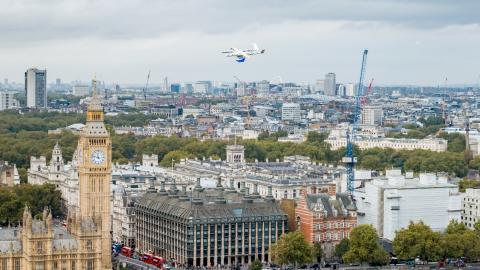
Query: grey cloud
[(35, 21)]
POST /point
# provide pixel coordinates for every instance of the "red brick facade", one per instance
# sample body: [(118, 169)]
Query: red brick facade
[(325, 218)]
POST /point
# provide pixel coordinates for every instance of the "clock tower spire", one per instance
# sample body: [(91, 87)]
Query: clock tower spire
[(94, 156)]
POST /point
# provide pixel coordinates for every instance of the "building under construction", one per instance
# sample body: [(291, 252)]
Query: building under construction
[(208, 227)]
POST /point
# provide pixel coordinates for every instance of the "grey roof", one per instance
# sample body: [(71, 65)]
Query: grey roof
[(337, 206), (209, 203), (9, 240), (63, 239)]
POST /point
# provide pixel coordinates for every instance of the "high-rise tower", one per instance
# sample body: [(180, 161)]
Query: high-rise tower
[(94, 156), (36, 88)]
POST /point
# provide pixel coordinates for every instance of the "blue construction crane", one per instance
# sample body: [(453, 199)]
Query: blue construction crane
[(349, 158)]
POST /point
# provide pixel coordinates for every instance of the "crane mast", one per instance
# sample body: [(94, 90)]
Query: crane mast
[(146, 86), (349, 158)]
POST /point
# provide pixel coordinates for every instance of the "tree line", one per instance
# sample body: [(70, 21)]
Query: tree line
[(25, 135), (37, 197), (417, 240)]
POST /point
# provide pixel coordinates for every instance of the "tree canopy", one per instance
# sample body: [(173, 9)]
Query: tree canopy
[(292, 248), (419, 240), (364, 247), (37, 197)]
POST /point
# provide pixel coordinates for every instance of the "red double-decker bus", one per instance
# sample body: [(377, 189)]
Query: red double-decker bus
[(147, 258), (158, 261), (127, 251)]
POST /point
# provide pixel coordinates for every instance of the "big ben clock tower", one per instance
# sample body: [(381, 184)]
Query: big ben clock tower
[(95, 160)]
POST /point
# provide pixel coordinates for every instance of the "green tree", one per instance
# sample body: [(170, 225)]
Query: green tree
[(37, 197), (476, 227), (455, 227), (175, 157), (256, 265), (418, 240), (465, 183), (317, 251), (342, 247), (291, 248), (364, 247), (474, 163), (316, 137)]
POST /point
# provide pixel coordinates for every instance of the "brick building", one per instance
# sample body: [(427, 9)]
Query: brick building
[(325, 218)]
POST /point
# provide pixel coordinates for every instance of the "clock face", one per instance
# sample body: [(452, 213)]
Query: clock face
[(98, 157)]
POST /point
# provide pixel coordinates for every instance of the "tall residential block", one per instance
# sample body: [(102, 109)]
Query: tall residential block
[(36, 88), (330, 84)]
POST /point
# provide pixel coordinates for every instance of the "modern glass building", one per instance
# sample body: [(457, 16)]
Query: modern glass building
[(208, 227), (36, 88)]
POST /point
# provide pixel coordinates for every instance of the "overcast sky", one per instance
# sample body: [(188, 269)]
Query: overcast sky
[(409, 42)]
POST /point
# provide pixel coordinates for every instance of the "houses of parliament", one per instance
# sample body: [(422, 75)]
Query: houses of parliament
[(85, 242)]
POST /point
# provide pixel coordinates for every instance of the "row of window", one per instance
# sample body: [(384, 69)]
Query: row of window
[(319, 237), (332, 225)]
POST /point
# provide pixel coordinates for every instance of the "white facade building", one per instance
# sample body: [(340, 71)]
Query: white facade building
[(81, 90), (432, 144), (471, 207), (202, 87), (263, 87), (7, 101), (291, 112), (350, 90), (372, 115), (390, 203)]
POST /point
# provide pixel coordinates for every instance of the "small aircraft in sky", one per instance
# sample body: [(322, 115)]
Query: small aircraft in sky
[(242, 55)]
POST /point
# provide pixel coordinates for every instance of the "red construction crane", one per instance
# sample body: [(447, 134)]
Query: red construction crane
[(369, 90)]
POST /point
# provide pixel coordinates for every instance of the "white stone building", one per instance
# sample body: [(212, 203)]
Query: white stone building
[(64, 176), (291, 112), (7, 100), (372, 115), (390, 203), (471, 207), (432, 144), (81, 90)]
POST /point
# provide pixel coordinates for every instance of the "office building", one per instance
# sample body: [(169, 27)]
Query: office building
[(349, 89), (202, 87), (291, 112), (470, 207), (330, 85), (341, 90), (390, 203), (36, 88), (372, 115), (175, 88), (80, 90), (263, 87), (7, 100), (208, 227), (320, 86)]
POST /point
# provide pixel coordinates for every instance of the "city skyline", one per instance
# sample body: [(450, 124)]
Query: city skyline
[(414, 43)]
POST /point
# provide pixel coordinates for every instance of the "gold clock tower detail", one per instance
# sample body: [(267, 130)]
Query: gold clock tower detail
[(95, 162)]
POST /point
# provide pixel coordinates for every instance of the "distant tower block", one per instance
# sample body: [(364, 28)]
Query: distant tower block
[(150, 160), (235, 153)]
